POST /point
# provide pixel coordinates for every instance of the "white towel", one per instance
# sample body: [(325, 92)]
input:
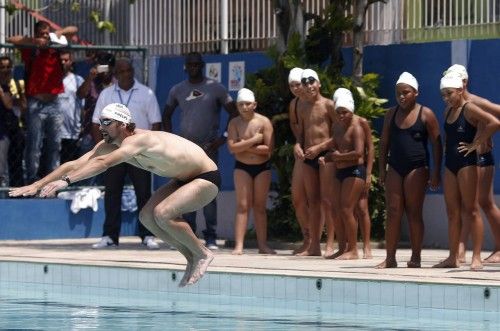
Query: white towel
[(84, 198), (58, 40)]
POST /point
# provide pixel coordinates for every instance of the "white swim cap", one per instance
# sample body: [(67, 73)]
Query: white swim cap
[(341, 91), (451, 80), (118, 112), (459, 69), (345, 101), (309, 73), (408, 79), (295, 75), (245, 95)]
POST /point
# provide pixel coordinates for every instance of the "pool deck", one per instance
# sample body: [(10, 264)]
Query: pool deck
[(131, 254)]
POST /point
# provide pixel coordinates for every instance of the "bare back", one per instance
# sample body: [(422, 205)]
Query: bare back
[(163, 154)]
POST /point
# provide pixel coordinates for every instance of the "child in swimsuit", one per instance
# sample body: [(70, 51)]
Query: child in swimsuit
[(250, 139), (461, 176), (404, 167)]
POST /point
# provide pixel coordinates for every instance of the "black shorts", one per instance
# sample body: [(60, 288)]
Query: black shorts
[(211, 176)]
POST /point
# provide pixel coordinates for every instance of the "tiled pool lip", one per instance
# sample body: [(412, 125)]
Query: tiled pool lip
[(280, 287), (280, 277), (170, 267)]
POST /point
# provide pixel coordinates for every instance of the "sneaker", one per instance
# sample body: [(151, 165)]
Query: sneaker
[(105, 242), (212, 245), (150, 242)]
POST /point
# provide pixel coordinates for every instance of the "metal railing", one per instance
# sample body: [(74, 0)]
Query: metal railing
[(169, 27)]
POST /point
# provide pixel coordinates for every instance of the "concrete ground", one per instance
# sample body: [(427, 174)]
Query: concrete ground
[(132, 254)]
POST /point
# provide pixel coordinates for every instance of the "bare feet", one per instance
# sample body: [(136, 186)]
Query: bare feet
[(414, 261), (304, 246), (461, 253), (448, 263), (413, 264), (349, 255), (334, 256), (310, 253), (200, 265), (266, 250), (329, 251), (493, 258), (187, 274), (367, 253), (237, 252), (476, 264), (388, 263)]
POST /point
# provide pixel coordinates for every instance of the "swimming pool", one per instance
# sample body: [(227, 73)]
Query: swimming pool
[(52, 307), (63, 297)]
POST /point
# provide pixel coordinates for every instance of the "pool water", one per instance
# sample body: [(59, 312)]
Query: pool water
[(58, 307)]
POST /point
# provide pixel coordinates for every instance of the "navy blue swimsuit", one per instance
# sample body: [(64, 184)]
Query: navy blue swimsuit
[(459, 131), (408, 147), (253, 170), (357, 171), (486, 159)]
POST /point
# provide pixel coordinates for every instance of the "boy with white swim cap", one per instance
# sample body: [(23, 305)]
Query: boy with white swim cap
[(299, 199), (313, 138), (250, 140)]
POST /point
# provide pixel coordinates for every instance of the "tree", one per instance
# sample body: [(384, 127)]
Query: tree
[(291, 20), (326, 33), (320, 50), (360, 7)]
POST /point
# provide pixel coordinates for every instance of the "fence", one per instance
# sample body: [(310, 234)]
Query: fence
[(172, 27)]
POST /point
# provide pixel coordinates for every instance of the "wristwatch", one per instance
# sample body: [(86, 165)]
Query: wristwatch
[(66, 179)]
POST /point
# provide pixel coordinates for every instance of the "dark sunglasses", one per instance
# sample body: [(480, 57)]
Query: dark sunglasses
[(106, 121), (308, 80)]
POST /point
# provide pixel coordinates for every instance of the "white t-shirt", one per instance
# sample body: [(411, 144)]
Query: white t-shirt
[(71, 106), (140, 100)]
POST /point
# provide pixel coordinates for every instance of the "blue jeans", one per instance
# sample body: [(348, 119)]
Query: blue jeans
[(44, 120), (210, 213)]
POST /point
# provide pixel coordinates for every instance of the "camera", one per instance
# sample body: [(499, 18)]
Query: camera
[(102, 68)]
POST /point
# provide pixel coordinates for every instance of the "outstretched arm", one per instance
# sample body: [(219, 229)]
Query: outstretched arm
[(130, 147), (59, 172), (20, 40), (67, 31)]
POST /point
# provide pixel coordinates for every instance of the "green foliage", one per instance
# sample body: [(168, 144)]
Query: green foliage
[(271, 89), (326, 31), (95, 16), (10, 8), (75, 6)]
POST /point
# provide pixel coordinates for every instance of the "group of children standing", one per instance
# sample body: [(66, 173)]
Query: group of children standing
[(334, 157)]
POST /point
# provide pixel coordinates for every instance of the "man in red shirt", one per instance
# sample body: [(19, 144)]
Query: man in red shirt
[(44, 77)]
